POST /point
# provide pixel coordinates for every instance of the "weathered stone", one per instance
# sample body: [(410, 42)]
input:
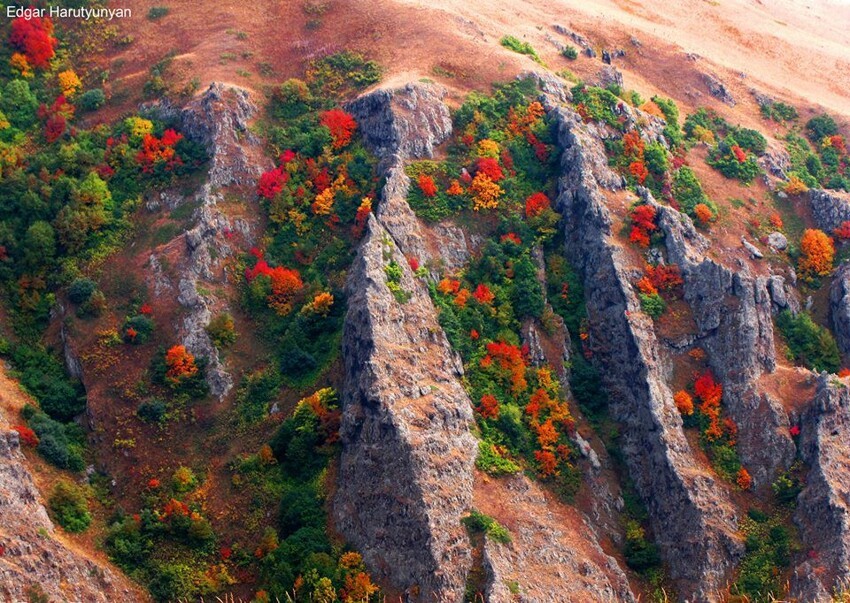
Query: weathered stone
[(839, 306), (754, 251), (718, 89), (777, 241), (691, 514), (830, 209), (609, 76), (823, 507)]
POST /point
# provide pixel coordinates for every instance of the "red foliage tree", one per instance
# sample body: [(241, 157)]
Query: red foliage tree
[(536, 204), (158, 151), (843, 231), (34, 37), (271, 183), (639, 170), (483, 295), (710, 393), (341, 125), (490, 167), (26, 435), (643, 222), (510, 361), (489, 407), (547, 461), (664, 277), (739, 154), (633, 145)]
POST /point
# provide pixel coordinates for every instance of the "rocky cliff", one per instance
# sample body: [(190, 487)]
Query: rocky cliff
[(34, 556), (690, 511), (829, 208), (733, 314), (407, 452), (823, 507), (218, 119), (839, 307)]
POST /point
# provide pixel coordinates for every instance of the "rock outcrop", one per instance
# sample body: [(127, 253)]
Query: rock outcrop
[(218, 119), (690, 512), (718, 89), (33, 555), (405, 475), (829, 208), (550, 558), (733, 315), (839, 307), (823, 507)]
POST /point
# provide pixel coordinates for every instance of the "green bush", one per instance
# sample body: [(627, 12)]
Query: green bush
[(477, 522), (641, 554), (91, 100), (688, 191), (153, 411), (768, 550), (491, 462), (599, 104), (570, 52), (778, 111), (820, 127), (652, 304), (142, 325), (158, 12), (517, 45), (338, 73), (786, 488), (672, 131), (81, 290), (43, 375), (69, 507), (222, 330), (810, 344)]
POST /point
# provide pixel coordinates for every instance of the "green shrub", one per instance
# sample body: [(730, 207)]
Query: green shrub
[(570, 52), (768, 550), (786, 488), (688, 191), (491, 462), (256, 393), (599, 104), (142, 325), (477, 522), (91, 100), (43, 375), (820, 127), (778, 111), (81, 290), (153, 411), (723, 158), (517, 45), (810, 344), (158, 12), (672, 131), (641, 554), (222, 330), (652, 304), (69, 506), (338, 73)]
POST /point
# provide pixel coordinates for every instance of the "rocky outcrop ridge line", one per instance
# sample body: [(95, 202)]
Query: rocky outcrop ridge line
[(733, 314), (839, 306), (830, 209), (218, 119), (33, 554), (823, 507), (405, 475), (693, 519)]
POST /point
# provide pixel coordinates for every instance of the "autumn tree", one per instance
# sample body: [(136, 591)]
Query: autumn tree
[(817, 253), (536, 204), (341, 126), (180, 364), (34, 37), (285, 284)]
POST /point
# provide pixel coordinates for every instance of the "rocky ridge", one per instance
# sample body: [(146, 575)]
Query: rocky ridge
[(406, 471), (691, 513), (823, 507), (34, 556)]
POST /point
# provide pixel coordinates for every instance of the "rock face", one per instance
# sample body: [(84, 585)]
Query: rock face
[(718, 89), (839, 306), (691, 514), (217, 119), (829, 208), (407, 452), (823, 507), (733, 314), (33, 553), (548, 544)]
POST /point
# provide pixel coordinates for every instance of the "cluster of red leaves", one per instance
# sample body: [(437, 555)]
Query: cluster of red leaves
[(843, 231), (56, 118), (34, 37), (536, 204), (710, 393), (427, 186), (633, 145), (510, 361), (341, 125), (643, 223), (483, 295), (521, 121), (153, 483), (26, 435), (156, 151), (837, 142), (489, 407), (664, 277), (511, 237), (413, 262), (743, 479), (329, 418), (739, 153), (146, 309), (174, 507), (261, 268), (181, 364), (489, 167), (541, 151), (271, 183), (639, 171), (548, 431)]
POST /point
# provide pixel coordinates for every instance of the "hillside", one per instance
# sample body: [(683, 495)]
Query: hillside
[(448, 301)]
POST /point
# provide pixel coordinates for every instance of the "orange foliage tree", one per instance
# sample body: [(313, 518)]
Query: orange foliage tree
[(510, 361), (181, 364), (489, 407), (427, 186), (743, 479), (285, 283), (684, 402), (536, 204), (818, 253)]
